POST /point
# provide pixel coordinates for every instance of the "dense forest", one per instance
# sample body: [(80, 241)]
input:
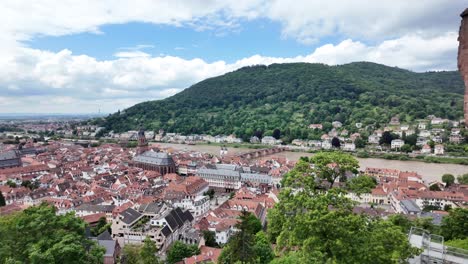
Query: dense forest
[(289, 97)]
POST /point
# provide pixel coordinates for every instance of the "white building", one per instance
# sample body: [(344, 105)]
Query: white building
[(349, 147), (198, 206), (439, 149), (397, 143), (373, 139), (268, 140)]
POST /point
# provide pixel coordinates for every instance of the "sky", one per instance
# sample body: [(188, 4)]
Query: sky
[(86, 56)]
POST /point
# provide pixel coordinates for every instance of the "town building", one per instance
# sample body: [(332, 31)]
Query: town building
[(10, 159), (156, 161), (397, 143)]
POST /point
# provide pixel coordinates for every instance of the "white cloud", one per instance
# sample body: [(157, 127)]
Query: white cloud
[(418, 35), (85, 81)]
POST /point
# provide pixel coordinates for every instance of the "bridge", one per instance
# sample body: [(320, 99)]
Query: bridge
[(257, 153), (434, 250)]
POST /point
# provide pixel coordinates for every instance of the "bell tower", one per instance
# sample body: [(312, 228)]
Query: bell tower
[(142, 143)]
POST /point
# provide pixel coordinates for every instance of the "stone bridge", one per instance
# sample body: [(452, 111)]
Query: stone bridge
[(257, 153)]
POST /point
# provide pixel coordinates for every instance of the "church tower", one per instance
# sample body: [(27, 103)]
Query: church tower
[(142, 143)]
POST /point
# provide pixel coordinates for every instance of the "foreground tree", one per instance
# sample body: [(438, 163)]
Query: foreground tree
[(140, 254), (101, 226), (361, 184), (455, 225), (148, 252), (311, 226), (333, 165), (179, 251), (248, 245), (38, 235)]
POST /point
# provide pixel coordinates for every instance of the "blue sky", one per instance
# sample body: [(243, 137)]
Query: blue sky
[(67, 56), (251, 37)]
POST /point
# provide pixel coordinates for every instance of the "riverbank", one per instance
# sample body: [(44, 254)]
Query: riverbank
[(422, 158), (429, 171)]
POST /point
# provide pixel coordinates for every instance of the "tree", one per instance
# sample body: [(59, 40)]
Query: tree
[(262, 249), (458, 243), (38, 235), (463, 179), (411, 139), (435, 188), (448, 179), (360, 143), (101, 226), (210, 239), (336, 142), (11, 183), (240, 247), (332, 165), (361, 184), (148, 252), (386, 138), (406, 148), (314, 233), (179, 251), (131, 254), (210, 193), (276, 133), (2, 200), (455, 225)]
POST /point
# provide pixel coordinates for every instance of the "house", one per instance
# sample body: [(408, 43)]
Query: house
[(437, 121), (326, 144), (457, 139), (409, 207), (268, 140), (426, 149), (395, 121), (254, 140), (424, 133), (422, 125), (337, 124), (349, 147), (111, 246), (207, 255), (315, 126), (397, 143), (439, 149), (373, 139)]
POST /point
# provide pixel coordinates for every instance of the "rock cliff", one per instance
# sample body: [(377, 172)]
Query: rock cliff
[(463, 58)]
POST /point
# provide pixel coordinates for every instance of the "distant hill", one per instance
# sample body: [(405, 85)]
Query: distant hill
[(291, 96)]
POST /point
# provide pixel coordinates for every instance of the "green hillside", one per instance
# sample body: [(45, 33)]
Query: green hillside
[(289, 97)]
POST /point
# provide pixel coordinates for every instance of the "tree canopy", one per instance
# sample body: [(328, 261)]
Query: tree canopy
[(448, 179), (333, 165), (312, 226), (463, 179), (38, 235), (455, 225), (361, 184), (248, 245), (140, 253), (179, 251), (258, 100)]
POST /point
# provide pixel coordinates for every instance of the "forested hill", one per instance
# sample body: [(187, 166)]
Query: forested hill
[(292, 96)]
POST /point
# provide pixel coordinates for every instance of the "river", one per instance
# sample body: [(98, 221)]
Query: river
[(429, 171)]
